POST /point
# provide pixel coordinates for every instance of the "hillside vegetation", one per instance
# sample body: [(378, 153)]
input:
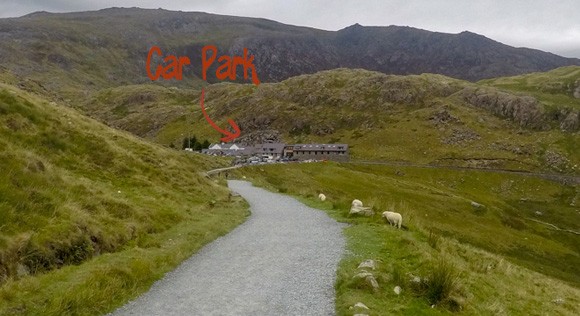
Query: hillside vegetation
[(92, 214), (502, 258), (427, 119), (558, 89)]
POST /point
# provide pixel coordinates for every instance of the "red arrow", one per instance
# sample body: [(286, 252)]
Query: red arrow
[(229, 136)]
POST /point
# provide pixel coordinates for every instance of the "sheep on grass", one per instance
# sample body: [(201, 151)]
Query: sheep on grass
[(322, 197), (356, 203), (395, 219)]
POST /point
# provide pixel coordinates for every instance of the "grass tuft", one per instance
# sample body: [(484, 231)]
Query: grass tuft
[(440, 282), (433, 239)]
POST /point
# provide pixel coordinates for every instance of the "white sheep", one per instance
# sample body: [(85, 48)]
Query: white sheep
[(322, 197), (395, 219), (357, 203)]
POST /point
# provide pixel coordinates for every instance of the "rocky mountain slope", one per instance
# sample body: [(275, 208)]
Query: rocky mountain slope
[(558, 90), (107, 48), (425, 119)]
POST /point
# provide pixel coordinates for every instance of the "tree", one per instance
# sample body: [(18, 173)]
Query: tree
[(192, 141), (205, 144)]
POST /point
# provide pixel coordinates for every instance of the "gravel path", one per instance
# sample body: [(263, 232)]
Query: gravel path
[(281, 261)]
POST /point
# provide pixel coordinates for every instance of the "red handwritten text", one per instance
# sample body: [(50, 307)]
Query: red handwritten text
[(228, 65), (174, 70)]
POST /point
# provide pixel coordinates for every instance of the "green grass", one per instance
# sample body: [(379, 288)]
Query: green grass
[(554, 88), (381, 118), (91, 216), (474, 260), (142, 109), (110, 280)]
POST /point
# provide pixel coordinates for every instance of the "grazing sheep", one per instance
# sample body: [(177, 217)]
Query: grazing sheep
[(395, 219), (322, 197), (477, 205), (357, 203)]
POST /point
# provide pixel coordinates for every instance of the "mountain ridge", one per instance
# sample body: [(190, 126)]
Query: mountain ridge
[(54, 48)]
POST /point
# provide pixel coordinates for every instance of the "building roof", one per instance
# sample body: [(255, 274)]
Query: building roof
[(226, 146), (270, 147), (321, 147)]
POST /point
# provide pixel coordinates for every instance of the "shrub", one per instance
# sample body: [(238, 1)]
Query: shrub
[(441, 282), (513, 222), (441, 285), (398, 276)]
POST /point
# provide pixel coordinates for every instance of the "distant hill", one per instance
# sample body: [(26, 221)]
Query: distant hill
[(417, 118), (107, 48)]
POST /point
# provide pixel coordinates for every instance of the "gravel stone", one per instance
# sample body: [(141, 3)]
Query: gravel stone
[(281, 261)]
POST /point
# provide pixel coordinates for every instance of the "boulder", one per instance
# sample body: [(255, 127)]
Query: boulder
[(360, 305), (373, 282), (368, 264), (362, 275), (369, 279), (361, 211), (570, 121), (397, 290)]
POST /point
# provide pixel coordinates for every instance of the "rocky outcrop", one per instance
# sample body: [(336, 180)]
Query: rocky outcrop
[(556, 161), (460, 136), (443, 117), (259, 137), (570, 121), (577, 91), (524, 110)]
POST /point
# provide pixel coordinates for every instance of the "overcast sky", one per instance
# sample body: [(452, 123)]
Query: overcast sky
[(547, 25)]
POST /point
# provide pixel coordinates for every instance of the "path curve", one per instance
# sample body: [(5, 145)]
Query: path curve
[(281, 261)]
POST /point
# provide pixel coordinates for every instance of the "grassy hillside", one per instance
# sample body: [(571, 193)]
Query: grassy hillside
[(557, 88), (142, 109), (502, 259), (91, 216), (428, 119)]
